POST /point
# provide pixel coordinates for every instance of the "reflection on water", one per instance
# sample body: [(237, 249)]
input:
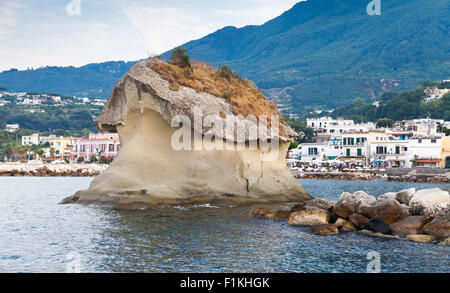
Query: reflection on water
[(37, 235)]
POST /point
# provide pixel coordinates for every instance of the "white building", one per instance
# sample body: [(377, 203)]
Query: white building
[(391, 152), (423, 126), (12, 127), (435, 93), (318, 153), (330, 126), (31, 140), (425, 150)]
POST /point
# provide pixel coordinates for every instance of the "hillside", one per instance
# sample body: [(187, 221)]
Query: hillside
[(328, 52), (94, 80), (320, 53)]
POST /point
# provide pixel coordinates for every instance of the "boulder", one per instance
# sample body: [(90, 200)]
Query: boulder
[(349, 203), (345, 225), (280, 215), (387, 195), (437, 210), (446, 242), (409, 225), (365, 205), (310, 217), (319, 203), (377, 234), (324, 230), (358, 220), (427, 198), (389, 210), (377, 225), (422, 238), (261, 213), (439, 227), (404, 196)]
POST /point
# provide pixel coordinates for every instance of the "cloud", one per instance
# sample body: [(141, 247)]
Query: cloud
[(260, 12), (8, 13), (167, 27)]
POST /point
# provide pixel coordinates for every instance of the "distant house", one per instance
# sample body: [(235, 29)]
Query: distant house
[(425, 151), (12, 127), (435, 93), (31, 140), (97, 145)]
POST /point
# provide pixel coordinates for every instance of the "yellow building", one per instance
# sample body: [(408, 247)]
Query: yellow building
[(63, 146), (445, 152)]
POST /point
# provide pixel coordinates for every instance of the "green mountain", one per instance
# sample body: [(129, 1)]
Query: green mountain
[(320, 53), (326, 53), (92, 80)]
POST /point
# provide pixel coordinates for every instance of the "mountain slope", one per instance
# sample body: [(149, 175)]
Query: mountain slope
[(96, 80), (324, 52), (320, 53)]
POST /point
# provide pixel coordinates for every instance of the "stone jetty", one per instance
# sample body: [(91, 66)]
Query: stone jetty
[(420, 216), (51, 170)]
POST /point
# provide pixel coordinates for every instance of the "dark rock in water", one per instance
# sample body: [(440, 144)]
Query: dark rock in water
[(324, 230), (281, 215), (261, 213), (358, 220), (377, 225)]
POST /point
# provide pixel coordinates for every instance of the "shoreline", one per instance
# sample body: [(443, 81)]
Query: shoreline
[(14, 169), (358, 176), (50, 170)]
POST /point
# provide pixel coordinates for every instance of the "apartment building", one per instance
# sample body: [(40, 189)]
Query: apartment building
[(97, 145)]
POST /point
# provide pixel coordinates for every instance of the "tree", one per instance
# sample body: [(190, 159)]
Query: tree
[(385, 123), (180, 58)]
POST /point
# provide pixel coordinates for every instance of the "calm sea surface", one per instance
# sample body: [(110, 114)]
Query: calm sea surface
[(38, 235)]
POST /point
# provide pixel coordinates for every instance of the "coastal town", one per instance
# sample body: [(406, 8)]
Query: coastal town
[(409, 143)]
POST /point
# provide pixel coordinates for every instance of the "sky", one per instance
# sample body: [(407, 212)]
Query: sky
[(77, 32)]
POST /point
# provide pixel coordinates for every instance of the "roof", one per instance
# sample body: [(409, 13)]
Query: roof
[(428, 160)]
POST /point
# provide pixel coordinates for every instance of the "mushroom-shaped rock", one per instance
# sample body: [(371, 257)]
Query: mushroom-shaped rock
[(174, 166)]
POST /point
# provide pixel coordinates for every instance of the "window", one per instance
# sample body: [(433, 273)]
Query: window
[(397, 150), (433, 141), (111, 148), (348, 152), (312, 151), (420, 141), (102, 147), (359, 152)]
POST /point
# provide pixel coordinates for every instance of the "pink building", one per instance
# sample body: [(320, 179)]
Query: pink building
[(97, 145)]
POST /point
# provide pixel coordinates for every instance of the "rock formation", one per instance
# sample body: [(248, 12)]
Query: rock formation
[(150, 171), (387, 217)]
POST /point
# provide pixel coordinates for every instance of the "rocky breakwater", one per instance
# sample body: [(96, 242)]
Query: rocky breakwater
[(333, 175), (180, 146), (51, 170), (422, 216), (414, 176)]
